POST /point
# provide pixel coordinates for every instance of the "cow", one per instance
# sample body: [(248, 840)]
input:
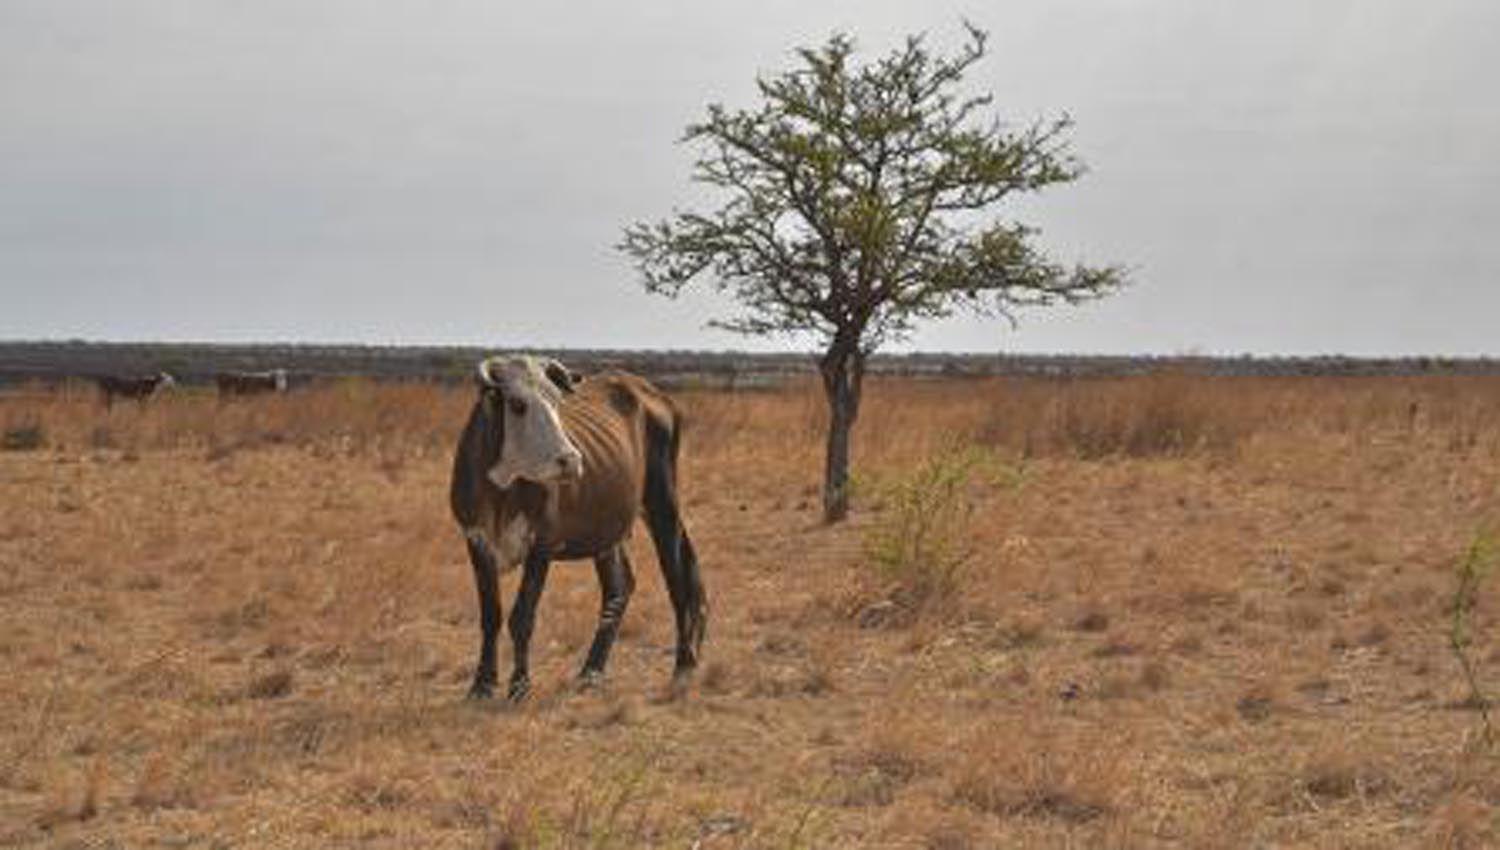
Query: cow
[(236, 384), (552, 466), (139, 388)]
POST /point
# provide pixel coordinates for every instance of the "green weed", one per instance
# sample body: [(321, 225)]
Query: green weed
[(1478, 561)]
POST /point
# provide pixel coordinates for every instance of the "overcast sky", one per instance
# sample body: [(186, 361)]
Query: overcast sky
[(1284, 177)]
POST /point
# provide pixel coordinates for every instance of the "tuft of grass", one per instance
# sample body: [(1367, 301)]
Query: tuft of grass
[(921, 547), (805, 826), (888, 758), (157, 787), (611, 808), (1261, 700), (370, 790), (1092, 620), (93, 789), (1337, 772), (1463, 823), (1046, 778), (516, 831), (1155, 676), (1477, 562), (272, 685)]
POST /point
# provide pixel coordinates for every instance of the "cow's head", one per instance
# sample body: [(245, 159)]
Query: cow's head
[(164, 381), (519, 396)]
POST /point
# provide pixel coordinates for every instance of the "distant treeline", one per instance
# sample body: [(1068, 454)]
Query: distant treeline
[(197, 363)]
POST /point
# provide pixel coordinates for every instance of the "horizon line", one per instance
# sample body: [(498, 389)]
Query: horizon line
[(789, 351)]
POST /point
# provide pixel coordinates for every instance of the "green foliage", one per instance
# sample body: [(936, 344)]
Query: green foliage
[(856, 197), (610, 809), (805, 830), (922, 545), (1478, 561)]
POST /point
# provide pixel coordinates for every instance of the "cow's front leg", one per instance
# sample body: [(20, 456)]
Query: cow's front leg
[(616, 582), (487, 584), (523, 620)]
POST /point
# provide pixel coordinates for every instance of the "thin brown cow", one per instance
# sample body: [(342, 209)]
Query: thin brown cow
[(553, 468)]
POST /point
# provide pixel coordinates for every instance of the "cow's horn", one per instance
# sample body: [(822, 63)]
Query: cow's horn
[(484, 373)]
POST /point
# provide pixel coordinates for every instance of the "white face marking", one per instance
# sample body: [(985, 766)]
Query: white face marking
[(536, 448)]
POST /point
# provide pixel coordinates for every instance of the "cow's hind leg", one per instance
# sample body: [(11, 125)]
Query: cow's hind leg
[(616, 583), (523, 620), (487, 584), (679, 563)]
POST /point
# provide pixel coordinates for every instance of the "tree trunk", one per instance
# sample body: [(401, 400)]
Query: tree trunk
[(843, 369)]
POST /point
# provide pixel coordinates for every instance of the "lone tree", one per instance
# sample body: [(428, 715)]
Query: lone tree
[(856, 202)]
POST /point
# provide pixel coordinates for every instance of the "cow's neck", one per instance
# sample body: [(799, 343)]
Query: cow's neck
[(527, 514)]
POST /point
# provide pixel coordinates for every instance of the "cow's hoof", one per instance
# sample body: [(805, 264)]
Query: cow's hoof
[(519, 690), (682, 683), (591, 680), (481, 690)]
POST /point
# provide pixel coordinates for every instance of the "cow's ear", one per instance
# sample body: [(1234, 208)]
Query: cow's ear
[(560, 375)]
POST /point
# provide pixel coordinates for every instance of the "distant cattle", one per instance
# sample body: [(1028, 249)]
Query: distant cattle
[(137, 388), (551, 467), (235, 384)]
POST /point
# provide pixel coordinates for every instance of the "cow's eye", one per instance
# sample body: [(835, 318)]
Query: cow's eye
[(517, 406)]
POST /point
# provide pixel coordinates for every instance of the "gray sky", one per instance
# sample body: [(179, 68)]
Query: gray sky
[(1285, 177)]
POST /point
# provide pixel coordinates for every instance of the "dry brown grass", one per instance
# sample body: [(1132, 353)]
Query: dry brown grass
[(1191, 613)]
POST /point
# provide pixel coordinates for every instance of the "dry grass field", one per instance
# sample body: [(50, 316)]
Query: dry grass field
[(1150, 612)]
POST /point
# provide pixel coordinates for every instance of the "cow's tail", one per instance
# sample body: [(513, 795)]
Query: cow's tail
[(674, 546)]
